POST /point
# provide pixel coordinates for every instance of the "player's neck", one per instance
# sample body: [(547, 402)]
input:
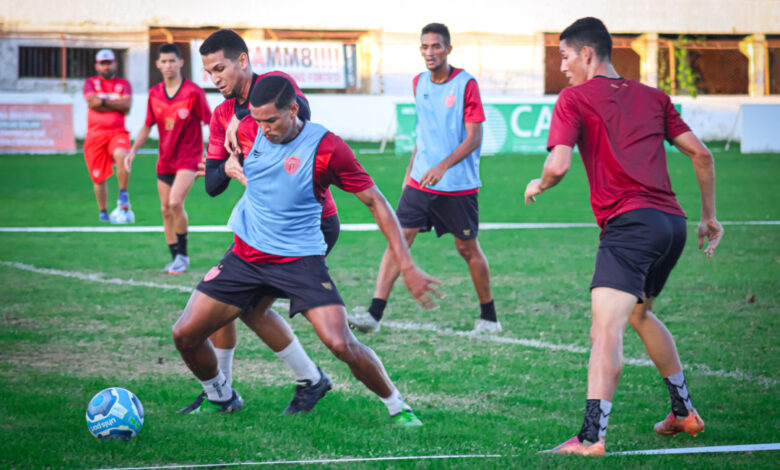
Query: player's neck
[(172, 85), (246, 87), (441, 74), (604, 69), (297, 127)]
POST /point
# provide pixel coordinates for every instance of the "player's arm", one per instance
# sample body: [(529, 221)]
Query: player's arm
[(106, 105), (140, 140), (472, 142), (556, 165), (704, 169), (417, 282)]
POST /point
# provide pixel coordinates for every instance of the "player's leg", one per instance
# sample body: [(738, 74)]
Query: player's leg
[(479, 269), (275, 332), (118, 147), (413, 217), (101, 195), (179, 191), (164, 184), (659, 342), (98, 164), (330, 324), (202, 316)]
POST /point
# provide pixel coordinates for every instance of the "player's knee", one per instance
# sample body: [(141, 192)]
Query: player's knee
[(342, 348), (166, 211), (467, 249), (182, 338), (176, 205)]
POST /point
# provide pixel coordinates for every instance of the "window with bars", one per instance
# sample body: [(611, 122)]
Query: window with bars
[(47, 62)]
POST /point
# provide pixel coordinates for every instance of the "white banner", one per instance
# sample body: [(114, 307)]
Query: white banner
[(313, 64)]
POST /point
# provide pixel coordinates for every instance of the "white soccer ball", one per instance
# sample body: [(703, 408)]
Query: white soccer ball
[(115, 413), (118, 216)]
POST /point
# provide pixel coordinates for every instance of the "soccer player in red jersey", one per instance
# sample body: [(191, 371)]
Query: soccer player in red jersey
[(279, 249), (178, 107), (441, 186), (108, 99), (225, 59), (619, 126)]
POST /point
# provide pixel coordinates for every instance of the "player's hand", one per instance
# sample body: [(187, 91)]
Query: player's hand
[(712, 231), (129, 161), (432, 176), (420, 285), (533, 189), (201, 169), (234, 170), (231, 139)]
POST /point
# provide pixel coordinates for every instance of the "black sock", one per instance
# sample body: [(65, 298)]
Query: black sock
[(488, 311), (174, 247), (595, 423), (678, 392), (182, 243), (377, 308)]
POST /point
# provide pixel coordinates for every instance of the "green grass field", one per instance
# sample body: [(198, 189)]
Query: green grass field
[(63, 338)]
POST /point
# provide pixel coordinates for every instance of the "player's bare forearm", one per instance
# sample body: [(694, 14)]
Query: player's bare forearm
[(556, 166), (141, 138), (388, 224), (704, 169)]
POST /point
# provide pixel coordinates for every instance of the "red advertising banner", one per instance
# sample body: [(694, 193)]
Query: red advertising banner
[(36, 128)]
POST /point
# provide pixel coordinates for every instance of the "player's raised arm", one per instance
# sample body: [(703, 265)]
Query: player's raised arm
[(418, 282), (704, 169)]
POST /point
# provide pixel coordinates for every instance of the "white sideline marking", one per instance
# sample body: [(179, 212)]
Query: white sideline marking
[(531, 343), (314, 461), (701, 450), (344, 227)]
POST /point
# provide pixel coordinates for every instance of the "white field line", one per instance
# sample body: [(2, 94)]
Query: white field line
[(344, 227), (701, 450), (314, 461), (536, 344), (531, 343)]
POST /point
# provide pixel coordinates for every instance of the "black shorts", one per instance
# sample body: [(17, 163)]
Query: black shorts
[(638, 250), (305, 282), (167, 179), (331, 228), (458, 215)]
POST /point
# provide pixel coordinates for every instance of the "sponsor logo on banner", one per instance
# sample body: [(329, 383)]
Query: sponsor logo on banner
[(291, 164), (36, 128)]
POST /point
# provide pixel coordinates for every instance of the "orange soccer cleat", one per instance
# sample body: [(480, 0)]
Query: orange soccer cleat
[(693, 424), (574, 446)]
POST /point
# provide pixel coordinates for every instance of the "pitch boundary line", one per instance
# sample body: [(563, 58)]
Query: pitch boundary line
[(344, 227), (315, 461), (701, 450), (531, 343)]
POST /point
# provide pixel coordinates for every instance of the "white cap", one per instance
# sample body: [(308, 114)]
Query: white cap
[(105, 54)]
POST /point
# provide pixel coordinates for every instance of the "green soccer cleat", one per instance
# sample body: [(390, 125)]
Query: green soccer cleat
[(209, 407), (405, 419)]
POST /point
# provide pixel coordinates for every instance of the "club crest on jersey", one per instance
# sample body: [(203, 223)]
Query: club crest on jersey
[(118, 88), (291, 164), (449, 100), (213, 272), (183, 113)]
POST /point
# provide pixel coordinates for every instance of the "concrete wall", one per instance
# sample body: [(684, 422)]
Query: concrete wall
[(372, 117)]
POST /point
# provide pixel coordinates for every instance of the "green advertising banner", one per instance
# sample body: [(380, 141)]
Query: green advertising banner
[(508, 128)]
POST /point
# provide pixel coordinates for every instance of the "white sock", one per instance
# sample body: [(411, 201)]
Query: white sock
[(218, 388), (225, 363), (394, 403), (299, 362)]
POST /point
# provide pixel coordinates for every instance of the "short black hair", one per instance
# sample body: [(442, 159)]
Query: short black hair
[(589, 32), (226, 40), (437, 28), (169, 48), (273, 89)]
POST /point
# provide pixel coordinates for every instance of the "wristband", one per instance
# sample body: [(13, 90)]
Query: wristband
[(102, 102)]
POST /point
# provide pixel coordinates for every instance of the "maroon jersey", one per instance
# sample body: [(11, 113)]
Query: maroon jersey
[(229, 108), (335, 163), (178, 119), (247, 132), (619, 126)]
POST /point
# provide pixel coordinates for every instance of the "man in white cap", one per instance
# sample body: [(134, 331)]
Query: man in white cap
[(107, 142)]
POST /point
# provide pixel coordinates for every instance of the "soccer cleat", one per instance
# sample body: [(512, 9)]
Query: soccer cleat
[(406, 418), (307, 394), (485, 326), (221, 407), (362, 320), (178, 265), (194, 405), (574, 446), (103, 216), (692, 424)]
